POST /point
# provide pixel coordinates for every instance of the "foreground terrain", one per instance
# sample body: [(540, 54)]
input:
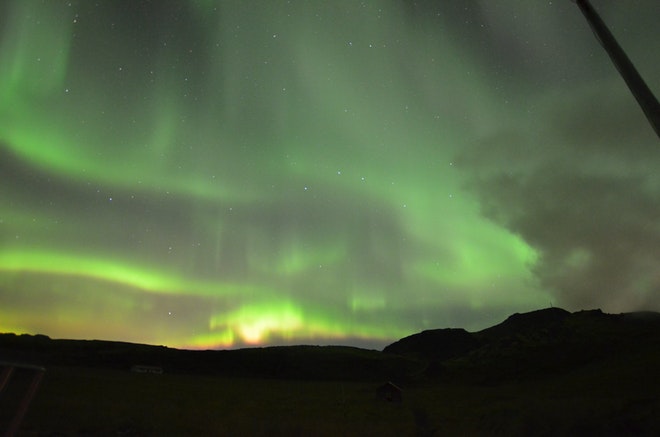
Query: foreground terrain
[(543, 373)]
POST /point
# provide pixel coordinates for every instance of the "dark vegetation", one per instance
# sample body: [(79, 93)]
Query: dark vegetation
[(548, 372)]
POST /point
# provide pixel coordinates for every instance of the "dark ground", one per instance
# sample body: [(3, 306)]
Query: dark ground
[(548, 372)]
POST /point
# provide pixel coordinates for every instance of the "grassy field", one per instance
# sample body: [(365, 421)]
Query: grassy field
[(585, 373), (617, 397), (111, 402)]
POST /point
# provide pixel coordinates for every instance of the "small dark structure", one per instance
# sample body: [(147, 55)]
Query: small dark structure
[(390, 392), (139, 368)]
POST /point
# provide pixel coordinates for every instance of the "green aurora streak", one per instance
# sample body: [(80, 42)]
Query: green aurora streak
[(234, 174)]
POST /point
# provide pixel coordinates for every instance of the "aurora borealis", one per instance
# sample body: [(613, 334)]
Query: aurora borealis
[(208, 174)]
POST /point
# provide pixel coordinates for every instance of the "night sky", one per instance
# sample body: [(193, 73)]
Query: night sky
[(210, 174)]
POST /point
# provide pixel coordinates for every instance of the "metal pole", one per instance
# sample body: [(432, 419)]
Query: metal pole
[(37, 375), (25, 403), (636, 84), (6, 376)]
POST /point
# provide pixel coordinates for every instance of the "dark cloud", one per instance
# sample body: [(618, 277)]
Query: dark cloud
[(587, 197)]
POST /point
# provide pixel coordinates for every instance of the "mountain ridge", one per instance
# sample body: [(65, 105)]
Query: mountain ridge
[(524, 344), (550, 340)]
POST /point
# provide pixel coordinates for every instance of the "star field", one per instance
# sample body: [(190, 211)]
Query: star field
[(210, 174)]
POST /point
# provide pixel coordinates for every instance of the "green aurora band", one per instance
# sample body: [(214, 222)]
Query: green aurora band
[(206, 174)]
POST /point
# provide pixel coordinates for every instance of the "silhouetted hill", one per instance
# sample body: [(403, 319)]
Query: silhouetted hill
[(289, 362), (435, 344), (526, 322), (536, 343), (542, 342)]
